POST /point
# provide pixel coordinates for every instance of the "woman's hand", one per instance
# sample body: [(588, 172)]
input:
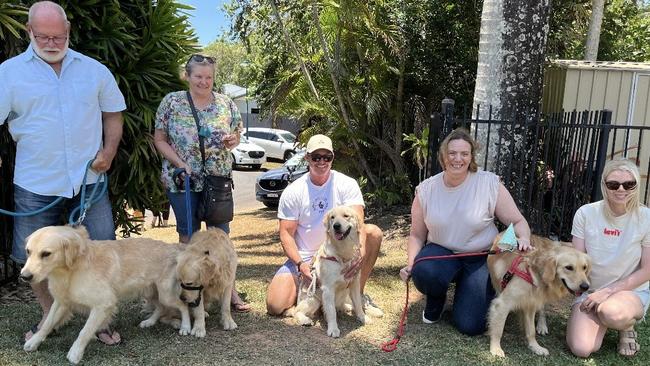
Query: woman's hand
[(592, 301), (230, 141), (405, 273), (523, 244), (183, 165), (305, 270)]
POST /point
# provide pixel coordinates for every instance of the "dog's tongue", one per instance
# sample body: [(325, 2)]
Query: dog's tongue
[(577, 293), (339, 236)]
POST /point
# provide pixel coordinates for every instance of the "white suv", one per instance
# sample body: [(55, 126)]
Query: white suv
[(247, 153), (278, 144)]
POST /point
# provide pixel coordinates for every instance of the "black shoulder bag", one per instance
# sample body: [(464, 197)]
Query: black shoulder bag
[(216, 204)]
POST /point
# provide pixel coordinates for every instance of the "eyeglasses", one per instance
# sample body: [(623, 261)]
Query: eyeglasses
[(613, 185), (58, 40), (316, 158), (200, 58)]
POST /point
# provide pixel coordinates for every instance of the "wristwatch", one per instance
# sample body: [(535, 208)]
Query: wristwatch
[(300, 262)]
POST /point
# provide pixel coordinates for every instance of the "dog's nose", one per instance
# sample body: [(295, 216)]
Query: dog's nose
[(584, 286), (26, 276), (337, 226)]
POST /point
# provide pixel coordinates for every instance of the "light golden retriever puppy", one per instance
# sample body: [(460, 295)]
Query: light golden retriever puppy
[(206, 272), (557, 270), (87, 276), (328, 287)]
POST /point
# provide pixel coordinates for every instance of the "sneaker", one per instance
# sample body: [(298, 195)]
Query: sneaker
[(371, 308), (432, 313)]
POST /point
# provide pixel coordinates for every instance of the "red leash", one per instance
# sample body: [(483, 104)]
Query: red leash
[(392, 345)]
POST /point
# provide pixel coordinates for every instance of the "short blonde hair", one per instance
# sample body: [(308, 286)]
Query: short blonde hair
[(633, 199), (42, 5), (458, 134)]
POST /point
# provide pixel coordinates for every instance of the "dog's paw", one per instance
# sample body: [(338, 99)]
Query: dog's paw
[(302, 319), (365, 320), (184, 331), (229, 324), (538, 350), (198, 332), (74, 355), (147, 323), (31, 345), (497, 351), (542, 329), (333, 332), (374, 312)]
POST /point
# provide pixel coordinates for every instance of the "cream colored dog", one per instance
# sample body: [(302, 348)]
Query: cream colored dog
[(91, 277), (556, 270), (329, 288), (206, 272)]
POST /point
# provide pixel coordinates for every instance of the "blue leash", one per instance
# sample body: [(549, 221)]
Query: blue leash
[(84, 205)]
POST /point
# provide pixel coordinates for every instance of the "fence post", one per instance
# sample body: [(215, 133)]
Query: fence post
[(447, 110), (603, 141), (432, 145)]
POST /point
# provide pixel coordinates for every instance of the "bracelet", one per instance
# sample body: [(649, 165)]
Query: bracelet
[(300, 262)]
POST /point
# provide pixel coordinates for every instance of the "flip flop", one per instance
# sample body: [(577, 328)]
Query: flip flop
[(241, 307), (34, 329), (109, 332)]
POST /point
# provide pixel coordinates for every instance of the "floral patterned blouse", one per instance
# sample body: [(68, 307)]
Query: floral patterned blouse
[(174, 117)]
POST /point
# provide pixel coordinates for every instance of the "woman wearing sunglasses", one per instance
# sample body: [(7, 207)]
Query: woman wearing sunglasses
[(177, 138), (615, 232)]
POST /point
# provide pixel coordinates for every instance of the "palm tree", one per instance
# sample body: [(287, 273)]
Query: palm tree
[(593, 35)]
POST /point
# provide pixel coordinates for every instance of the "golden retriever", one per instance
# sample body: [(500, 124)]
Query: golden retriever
[(91, 277), (206, 272), (557, 270), (329, 288)]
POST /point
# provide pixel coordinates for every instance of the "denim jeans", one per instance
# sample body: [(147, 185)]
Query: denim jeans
[(473, 293), (98, 221), (177, 201)]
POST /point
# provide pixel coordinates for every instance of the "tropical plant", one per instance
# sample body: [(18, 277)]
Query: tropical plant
[(231, 62), (142, 42)]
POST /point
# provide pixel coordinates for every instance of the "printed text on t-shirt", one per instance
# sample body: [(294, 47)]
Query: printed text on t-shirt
[(612, 232)]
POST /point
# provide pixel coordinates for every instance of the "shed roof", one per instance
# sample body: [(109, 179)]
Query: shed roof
[(601, 65)]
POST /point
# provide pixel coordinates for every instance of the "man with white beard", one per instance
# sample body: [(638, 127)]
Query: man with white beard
[(63, 110)]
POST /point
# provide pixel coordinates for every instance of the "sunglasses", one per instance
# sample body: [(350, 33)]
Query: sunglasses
[(200, 58), (316, 158), (614, 185)]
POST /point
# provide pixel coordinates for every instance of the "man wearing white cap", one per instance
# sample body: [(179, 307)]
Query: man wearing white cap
[(302, 207)]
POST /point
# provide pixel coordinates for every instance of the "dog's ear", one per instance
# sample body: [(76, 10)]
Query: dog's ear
[(548, 273), (326, 219), (208, 270), (74, 245)]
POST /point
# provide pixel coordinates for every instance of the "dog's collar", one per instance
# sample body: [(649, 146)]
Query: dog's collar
[(330, 258), (515, 271), (199, 288)]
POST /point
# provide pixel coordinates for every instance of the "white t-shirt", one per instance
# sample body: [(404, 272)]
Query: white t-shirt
[(614, 248), (460, 218), (307, 203)]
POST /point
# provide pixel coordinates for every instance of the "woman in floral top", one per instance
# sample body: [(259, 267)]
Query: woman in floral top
[(176, 137)]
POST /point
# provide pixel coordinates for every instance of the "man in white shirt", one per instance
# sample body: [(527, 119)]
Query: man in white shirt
[(63, 110), (302, 207)]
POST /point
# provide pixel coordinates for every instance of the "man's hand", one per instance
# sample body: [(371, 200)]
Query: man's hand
[(305, 270), (103, 161), (352, 269)]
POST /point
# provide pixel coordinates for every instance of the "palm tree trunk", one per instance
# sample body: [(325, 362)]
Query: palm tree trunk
[(340, 97), (294, 49), (593, 35), (510, 66)]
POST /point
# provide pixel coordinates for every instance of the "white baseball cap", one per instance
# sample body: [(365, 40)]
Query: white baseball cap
[(319, 142)]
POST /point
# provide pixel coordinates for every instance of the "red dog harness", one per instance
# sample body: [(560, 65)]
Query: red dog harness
[(515, 271)]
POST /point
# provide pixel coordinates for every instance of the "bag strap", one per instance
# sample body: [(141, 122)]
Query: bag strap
[(201, 139), (198, 129)]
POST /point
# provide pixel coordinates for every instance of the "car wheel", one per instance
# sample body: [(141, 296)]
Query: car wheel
[(270, 204), (288, 154), (234, 165), (256, 166)]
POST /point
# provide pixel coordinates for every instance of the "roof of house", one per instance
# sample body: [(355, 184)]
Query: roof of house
[(234, 91), (601, 65)]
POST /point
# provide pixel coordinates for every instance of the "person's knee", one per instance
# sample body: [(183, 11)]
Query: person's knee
[(580, 349), (374, 236), (470, 327), (274, 307), (612, 316)]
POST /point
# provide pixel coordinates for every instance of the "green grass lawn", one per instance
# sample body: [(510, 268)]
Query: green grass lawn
[(265, 340)]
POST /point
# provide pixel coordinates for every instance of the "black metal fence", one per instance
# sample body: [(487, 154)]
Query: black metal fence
[(551, 164)]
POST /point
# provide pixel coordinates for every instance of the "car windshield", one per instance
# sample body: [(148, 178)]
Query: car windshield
[(296, 160), (288, 137)]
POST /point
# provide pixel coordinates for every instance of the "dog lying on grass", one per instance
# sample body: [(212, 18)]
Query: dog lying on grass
[(556, 271), (329, 288), (88, 276)]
